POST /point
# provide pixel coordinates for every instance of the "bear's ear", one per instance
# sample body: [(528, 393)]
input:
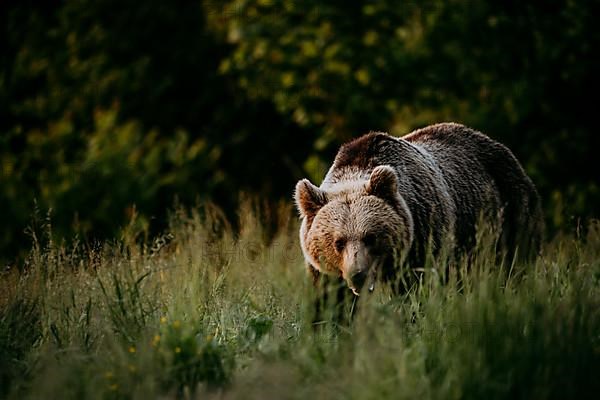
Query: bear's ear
[(309, 198), (383, 183)]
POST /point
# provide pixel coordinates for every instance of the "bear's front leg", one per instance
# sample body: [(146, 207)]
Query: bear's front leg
[(334, 301)]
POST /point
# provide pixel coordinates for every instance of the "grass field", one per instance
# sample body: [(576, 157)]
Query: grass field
[(202, 313)]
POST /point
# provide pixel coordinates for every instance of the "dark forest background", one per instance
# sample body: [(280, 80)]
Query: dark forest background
[(110, 109)]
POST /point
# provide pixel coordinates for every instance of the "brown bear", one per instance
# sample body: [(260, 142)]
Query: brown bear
[(386, 201)]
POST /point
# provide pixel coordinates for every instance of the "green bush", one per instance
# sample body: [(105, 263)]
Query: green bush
[(212, 99)]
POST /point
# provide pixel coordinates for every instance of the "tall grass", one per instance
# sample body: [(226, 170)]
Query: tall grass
[(201, 312)]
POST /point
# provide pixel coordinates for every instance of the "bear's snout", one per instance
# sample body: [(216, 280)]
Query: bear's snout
[(357, 264)]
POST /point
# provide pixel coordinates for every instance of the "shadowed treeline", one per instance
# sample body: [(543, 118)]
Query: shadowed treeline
[(114, 108)]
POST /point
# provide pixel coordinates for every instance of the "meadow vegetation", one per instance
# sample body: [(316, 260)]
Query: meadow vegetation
[(111, 111), (208, 311)]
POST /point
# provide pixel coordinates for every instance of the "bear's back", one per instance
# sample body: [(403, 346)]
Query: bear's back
[(484, 178), (450, 176)]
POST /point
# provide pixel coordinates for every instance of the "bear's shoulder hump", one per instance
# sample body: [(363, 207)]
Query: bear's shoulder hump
[(362, 151)]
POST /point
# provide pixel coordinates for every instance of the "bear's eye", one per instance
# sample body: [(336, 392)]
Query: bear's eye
[(339, 245), (369, 239)]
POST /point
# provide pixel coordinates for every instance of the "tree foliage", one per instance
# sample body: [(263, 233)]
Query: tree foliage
[(108, 104)]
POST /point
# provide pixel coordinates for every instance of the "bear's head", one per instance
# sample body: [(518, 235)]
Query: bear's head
[(358, 229)]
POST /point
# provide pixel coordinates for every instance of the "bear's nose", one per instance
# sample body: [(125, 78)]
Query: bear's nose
[(358, 279)]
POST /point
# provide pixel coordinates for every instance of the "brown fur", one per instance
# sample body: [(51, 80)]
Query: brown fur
[(385, 200)]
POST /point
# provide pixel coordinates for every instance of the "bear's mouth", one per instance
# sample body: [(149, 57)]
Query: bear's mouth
[(369, 282), (357, 293)]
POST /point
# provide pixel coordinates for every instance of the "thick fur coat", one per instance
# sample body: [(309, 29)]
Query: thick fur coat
[(386, 201)]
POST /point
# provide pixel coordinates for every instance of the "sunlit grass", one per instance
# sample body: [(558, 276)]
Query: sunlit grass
[(203, 312)]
